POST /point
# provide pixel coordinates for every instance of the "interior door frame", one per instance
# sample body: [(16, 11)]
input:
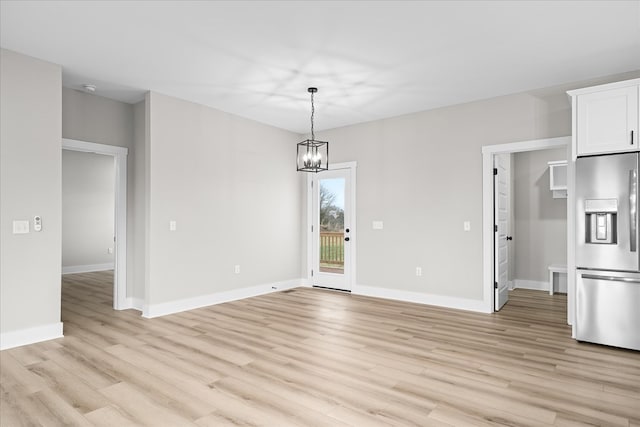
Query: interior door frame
[(120, 224), (488, 152), (351, 166)]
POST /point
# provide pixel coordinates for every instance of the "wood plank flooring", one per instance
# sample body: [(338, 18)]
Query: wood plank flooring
[(311, 357)]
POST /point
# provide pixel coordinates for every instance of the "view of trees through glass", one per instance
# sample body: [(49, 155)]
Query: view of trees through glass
[(332, 225)]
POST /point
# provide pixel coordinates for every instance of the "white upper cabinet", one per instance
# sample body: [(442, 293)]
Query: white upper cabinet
[(606, 118)]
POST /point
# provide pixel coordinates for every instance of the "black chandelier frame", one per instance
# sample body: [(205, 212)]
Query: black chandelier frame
[(312, 155)]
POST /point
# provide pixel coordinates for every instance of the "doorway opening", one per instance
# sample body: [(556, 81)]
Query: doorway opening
[(497, 234), (119, 156), (332, 231)]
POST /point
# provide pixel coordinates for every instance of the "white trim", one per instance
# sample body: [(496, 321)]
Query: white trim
[(531, 284), (120, 229), (120, 258), (607, 86), (343, 165), (162, 309), (307, 277), (488, 152), (92, 147), (421, 298), (571, 240), (307, 283), (354, 220), (572, 153), (521, 146), (133, 303), (30, 335), (72, 269)]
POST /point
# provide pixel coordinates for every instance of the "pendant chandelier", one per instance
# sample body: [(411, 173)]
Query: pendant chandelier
[(313, 156)]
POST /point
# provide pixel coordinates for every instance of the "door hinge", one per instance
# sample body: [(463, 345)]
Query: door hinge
[(495, 285), (495, 228), (311, 273), (495, 171), (312, 228)]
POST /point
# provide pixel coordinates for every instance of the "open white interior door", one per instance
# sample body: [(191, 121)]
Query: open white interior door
[(501, 164)]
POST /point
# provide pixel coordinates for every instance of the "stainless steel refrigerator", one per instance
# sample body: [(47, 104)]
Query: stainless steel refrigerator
[(607, 255)]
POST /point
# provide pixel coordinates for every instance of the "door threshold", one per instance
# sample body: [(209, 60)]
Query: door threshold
[(331, 289)]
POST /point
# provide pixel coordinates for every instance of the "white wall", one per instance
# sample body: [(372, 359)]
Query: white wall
[(232, 187), (421, 174), (540, 220), (88, 196), (92, 118), (30, 174), (137, 203)]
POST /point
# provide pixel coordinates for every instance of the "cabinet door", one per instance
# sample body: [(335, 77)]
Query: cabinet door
[(607, 121)]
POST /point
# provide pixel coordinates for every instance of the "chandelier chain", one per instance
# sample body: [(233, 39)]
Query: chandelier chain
[(313, 156), (313, 110)]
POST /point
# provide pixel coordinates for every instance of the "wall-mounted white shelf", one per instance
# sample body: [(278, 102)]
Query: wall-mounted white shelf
[(558, 178)]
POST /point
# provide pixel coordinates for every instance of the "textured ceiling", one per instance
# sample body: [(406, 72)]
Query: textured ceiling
[(370, 59)]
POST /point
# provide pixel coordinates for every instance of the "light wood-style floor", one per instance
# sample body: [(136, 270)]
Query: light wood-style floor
[(313, 357)]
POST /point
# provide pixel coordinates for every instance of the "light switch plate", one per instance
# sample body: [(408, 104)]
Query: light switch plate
[(378, 225), (20, 227), (467, 226), (172, 226)]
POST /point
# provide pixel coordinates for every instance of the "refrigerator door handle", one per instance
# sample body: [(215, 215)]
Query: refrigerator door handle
[(611, 278), (633, 208)]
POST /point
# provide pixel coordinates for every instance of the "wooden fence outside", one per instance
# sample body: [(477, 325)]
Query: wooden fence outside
[(332, 247)]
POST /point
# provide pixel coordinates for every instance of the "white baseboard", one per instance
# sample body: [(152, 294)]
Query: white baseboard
[(87, 268), (30, 335), (307, 283), (531, 284), (134, 303), (162, 309), (420, 298), (559, 285)]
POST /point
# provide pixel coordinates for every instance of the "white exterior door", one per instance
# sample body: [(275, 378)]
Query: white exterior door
[(333, 229), (501, 228)]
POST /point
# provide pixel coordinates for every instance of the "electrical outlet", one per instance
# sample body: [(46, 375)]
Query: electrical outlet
[(173, 226), (418, 271), (236, 269)]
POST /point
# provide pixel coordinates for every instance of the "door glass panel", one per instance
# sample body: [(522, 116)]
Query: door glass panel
[(331, 225)]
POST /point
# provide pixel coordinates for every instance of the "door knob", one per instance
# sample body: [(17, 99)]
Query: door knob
[(346, 239), (509, 237)]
